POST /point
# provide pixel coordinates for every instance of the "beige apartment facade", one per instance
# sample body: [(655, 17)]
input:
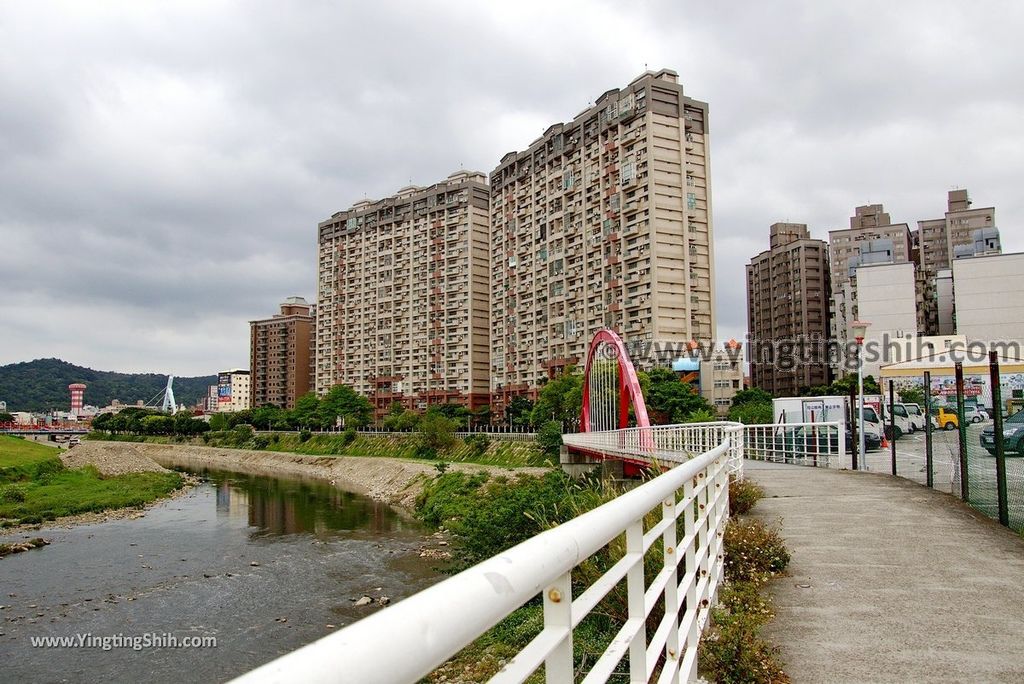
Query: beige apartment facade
[(404, 294), (726, 379), (231, 393), (279, 357), (603, 221), (788, 304)]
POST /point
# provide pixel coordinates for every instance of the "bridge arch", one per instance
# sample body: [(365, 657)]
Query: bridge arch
[(617, 388)]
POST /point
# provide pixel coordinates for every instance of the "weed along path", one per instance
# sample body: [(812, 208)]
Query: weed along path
[(890, 581)]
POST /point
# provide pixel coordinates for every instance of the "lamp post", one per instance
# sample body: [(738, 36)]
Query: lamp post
[(859, 328)]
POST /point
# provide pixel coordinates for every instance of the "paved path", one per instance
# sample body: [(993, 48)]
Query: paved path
[(891, 582)]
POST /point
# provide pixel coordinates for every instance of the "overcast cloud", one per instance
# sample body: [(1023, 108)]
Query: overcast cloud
[(163, 166)]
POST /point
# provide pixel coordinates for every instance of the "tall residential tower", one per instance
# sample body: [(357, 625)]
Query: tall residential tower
[(603, 221), (787, 306), (404, 294)]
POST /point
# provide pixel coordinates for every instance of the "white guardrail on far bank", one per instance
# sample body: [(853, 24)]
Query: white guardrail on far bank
[(407, 641)]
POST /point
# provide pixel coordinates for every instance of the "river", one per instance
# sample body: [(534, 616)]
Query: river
[(262, 564)]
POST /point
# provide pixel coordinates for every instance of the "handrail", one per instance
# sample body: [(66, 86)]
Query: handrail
[(409, 640)]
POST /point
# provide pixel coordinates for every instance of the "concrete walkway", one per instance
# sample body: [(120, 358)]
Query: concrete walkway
[(890, 582)]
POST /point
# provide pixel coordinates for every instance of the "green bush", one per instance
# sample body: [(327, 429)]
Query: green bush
[(732, 652), (260, 442), (304, 436), (11, 494), (348, 436), (743, 494), (478, 444), (753, 551), (549, 438)]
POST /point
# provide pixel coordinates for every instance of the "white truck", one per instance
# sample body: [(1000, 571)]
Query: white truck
[(825, 409), (903, 424)]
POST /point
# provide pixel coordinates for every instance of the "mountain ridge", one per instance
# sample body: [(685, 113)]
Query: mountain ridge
[(42, 385)]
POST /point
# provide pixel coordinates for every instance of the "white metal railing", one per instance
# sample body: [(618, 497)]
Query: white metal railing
[(663, 444), (810, 444), (409, 640)]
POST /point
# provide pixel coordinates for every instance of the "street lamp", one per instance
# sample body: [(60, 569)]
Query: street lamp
[(859, 328)]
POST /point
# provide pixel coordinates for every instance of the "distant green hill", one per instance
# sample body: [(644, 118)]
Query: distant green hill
[(42, 385)]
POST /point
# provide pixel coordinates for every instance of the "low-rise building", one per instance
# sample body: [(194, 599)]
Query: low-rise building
[(232, 391)]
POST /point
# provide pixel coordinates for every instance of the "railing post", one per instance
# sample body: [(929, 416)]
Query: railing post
[(673, 649), (997, 435), (558, 614), (692, 637), (928, 462), (635, 599)]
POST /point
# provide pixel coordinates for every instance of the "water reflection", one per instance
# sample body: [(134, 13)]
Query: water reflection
[(285, 506)]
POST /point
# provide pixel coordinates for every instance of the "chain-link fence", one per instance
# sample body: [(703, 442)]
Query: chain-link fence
[(959, 450)]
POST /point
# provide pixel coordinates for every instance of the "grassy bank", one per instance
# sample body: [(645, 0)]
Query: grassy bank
[(484, 516), (395, 445), (35, 486)]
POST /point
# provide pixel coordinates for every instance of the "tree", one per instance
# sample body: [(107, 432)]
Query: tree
[(436, 433), (341, 401), (403, 420), (306, 411), (102, 421), (560, 400), (751, 413), (912, 395), (549, 438), (6, 417), (518, 411), (219, 421), (752, 395), (457, 413), (671, 401)]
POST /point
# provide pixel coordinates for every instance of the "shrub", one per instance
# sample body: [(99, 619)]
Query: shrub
[(437, 433), (305, 436), (731, 652), (743, 494), (753, 551), (425, 452), (348, 436), (549, 438), (12, 494), (260, 442), (441, 467), (478, 444)]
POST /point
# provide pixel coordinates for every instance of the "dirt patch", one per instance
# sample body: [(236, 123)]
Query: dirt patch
[(111, 458), (395, 481)]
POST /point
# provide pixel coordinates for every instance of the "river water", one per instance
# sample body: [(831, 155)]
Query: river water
[(263, 564)]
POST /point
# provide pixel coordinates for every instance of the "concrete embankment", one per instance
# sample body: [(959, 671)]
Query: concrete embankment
[(394, 481)]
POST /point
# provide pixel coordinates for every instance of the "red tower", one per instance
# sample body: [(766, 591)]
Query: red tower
[(77, 397)]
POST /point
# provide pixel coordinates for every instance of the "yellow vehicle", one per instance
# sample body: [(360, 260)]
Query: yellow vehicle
[(947, 420)]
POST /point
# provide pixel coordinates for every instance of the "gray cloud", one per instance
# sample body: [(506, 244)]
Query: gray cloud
[(162, 169)]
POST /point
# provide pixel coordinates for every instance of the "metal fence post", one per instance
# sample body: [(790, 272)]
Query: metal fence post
[(965, 489), (635, 601), (997, 435), (892, 425), (558, 665), (854, 442), (929, 465)]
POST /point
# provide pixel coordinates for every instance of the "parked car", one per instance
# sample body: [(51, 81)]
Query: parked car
[(1013, 436), (915, 415), (947, 420), (975, 414)]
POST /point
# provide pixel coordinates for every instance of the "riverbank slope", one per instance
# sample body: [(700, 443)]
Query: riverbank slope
[(395, 481)]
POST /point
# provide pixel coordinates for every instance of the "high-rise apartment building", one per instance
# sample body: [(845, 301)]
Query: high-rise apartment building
[(963, 231), (280, 348), (404, 296), (788, 311), (603, 221)]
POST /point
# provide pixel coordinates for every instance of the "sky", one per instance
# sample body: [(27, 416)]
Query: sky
[(163, 165)]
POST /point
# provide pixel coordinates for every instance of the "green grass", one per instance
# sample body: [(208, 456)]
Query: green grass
[(35, 486), (21, 459)]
